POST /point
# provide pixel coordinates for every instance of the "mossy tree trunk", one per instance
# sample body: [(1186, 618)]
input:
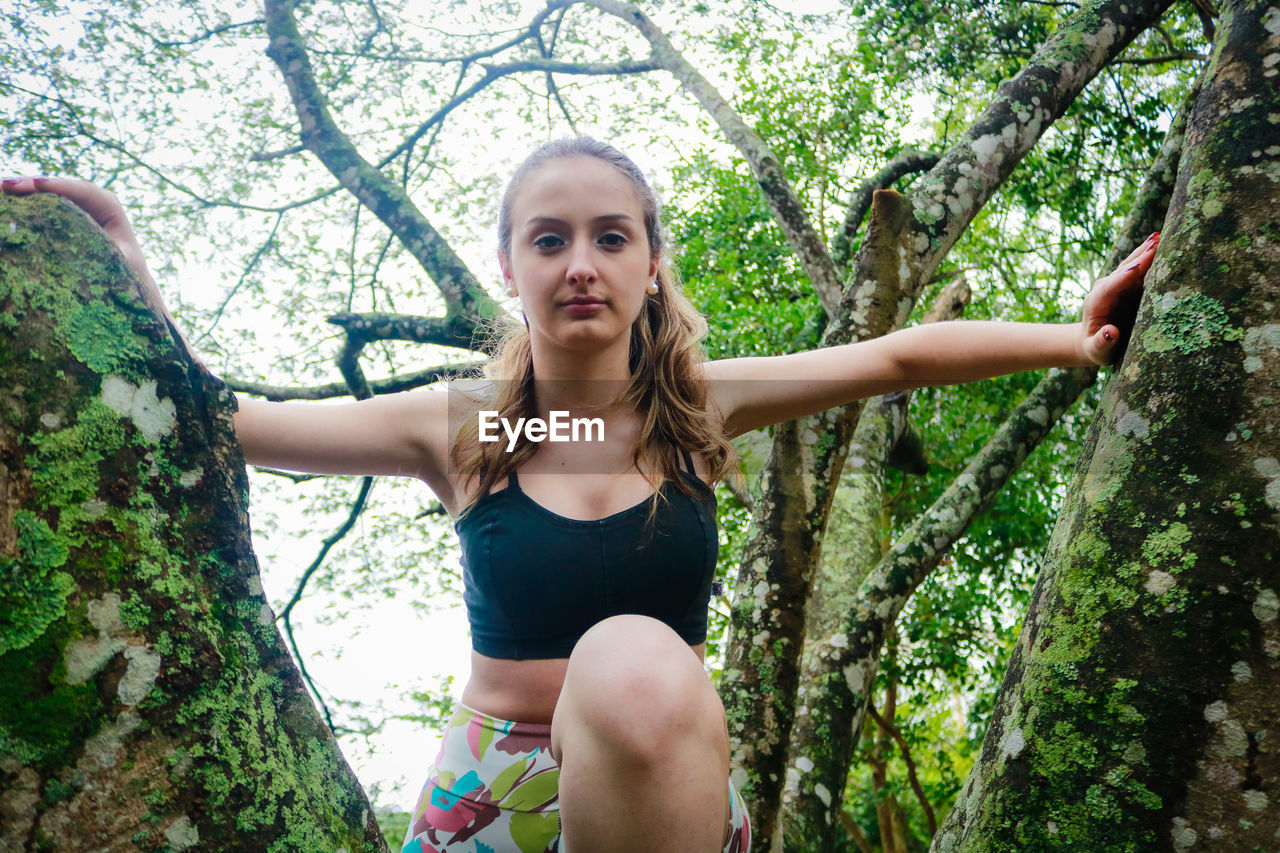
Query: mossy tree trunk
[(146, 699), (1140, 708)]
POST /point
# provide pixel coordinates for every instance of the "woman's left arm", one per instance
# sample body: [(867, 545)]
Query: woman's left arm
[(754, 392)]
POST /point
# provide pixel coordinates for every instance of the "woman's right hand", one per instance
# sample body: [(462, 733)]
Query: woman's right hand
[(101, 205)]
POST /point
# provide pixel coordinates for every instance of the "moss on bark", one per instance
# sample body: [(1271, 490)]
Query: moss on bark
[(153, 705), (1136, 712)]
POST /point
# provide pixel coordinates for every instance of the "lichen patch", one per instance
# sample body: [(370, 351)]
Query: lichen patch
[(86, 657), (154, 416), (1215, 712), (144, 666), (181, 834), (1266, 606), (104, 747), (1014, 743), (1133, 424), (1158, 583)]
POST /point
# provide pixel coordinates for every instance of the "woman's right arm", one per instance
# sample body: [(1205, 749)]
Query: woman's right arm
[(404, 434)]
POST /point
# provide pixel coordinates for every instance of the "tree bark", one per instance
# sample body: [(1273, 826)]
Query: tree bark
[(1139, 709), (762, 667), (148, 702), (817, 767)]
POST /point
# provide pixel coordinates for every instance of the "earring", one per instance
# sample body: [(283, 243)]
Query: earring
[(511, 292), (652, 289)]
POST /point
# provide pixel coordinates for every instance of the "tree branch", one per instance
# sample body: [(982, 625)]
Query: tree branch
[(466, 302), (911, 767), (1177, 56), (383, 326), (356, 508), (390, 385), (244, 275), (194, 39), (496, 72), (855, 832), (778, 192), (840, 685), (906, 162), (846, 663), (858, 540)]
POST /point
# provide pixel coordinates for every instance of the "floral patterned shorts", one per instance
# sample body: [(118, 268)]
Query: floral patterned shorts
[(494, 789)]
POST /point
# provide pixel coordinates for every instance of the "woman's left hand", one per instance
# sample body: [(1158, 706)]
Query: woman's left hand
[(1112, 305)]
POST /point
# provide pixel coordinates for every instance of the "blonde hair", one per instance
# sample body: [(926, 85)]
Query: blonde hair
[(665, 387)]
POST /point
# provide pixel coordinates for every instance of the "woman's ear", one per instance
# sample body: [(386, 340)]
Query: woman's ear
[(653, 269), (507, 279)]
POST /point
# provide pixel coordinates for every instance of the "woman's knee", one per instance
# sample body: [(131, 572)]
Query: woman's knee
[(635, 685)]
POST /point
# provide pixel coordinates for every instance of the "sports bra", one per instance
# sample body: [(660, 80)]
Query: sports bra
[(535, 581)]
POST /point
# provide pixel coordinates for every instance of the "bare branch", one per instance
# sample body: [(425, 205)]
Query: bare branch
[(268, 156), (1179, 56), (497, 72), (951, 302), (292, 476), (382, 326), (904, 163), (781, 196), (244, 275), (348, 361), (194, 39), (466, 301), (911, 767), (390, 385), (356, 508)]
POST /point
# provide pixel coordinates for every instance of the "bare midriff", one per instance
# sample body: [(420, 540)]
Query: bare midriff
[(522, 690)]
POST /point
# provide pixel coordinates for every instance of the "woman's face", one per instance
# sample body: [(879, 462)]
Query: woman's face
[(579, 257)]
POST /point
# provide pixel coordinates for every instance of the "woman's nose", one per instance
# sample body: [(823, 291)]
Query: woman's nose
[(582, 265)]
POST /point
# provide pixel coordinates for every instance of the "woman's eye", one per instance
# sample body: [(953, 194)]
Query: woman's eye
[(612, 239), (548, 241)]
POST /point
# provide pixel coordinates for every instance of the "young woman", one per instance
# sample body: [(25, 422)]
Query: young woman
[(589, 723)]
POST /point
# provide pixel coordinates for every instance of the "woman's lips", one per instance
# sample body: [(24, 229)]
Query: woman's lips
[(583, 309), (580, 306)]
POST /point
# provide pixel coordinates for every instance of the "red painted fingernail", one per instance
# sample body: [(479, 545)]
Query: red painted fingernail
[(1134, 267)]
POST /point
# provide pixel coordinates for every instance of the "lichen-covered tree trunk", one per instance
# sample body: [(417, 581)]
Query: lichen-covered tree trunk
[(840, 660), (855, 542), (1141, 705), (776, 570), (146, 699)]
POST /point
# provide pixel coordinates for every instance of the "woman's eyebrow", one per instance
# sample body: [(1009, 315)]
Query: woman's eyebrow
[(551, 220)]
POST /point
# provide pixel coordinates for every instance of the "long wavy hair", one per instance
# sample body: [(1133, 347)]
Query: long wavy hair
[(665, 386)]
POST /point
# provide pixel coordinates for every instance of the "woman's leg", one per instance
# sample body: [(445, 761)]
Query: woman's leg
[(640, 736)]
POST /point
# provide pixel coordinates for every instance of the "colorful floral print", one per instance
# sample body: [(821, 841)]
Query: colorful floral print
[(494, 789)]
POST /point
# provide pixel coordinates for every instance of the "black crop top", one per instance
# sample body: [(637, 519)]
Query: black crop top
[(535, 581)]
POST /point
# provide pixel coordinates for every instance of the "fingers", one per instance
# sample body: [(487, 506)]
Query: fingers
[(1143, 253), (100, 204), (1104, 345)]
